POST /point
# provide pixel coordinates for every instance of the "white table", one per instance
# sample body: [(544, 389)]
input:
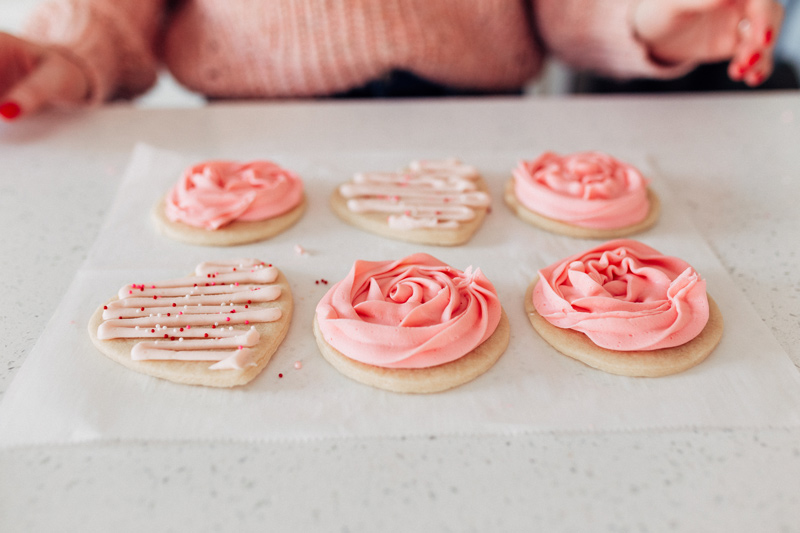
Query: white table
[(734, 159)]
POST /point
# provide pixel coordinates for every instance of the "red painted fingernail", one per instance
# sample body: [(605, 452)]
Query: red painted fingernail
[(754, 59), (768, 36), (759, 77), (10, 110)]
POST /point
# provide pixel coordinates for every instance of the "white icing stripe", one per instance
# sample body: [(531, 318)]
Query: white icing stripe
[(139, 291), (430, 194), (267, 294), (193, 317), (109, 328)]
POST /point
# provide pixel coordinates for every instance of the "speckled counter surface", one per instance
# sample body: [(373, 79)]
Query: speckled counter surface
[(734, 160)]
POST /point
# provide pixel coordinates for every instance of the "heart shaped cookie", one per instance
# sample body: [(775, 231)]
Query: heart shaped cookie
[(218, 327), (432, 202)]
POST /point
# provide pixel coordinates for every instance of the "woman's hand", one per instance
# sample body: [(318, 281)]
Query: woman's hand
[(744, 31), (34, 77)]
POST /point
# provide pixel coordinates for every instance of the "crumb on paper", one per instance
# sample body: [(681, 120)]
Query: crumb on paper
[(299, 250)]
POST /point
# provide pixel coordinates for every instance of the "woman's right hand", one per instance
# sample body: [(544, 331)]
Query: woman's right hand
[(34, 77)]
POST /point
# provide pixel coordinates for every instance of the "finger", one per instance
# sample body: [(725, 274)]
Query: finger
[(17, 59), (753, 61), (56, 81)]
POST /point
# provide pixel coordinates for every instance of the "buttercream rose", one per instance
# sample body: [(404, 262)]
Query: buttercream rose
[(624, 296), (587, 189), (415, 312), (215, 193)]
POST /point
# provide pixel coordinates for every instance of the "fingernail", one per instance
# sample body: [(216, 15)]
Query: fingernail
[(10, 110), (759, 77), (768, 36), (754, 59)]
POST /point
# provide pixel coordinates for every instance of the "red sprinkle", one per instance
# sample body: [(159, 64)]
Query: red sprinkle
[(120, 317), (181, 329), (155, 297), (105, 307), (165, 335), (141, 309), (152, 331), (206, 334), (280, 375), (233, 310), (174, 305)]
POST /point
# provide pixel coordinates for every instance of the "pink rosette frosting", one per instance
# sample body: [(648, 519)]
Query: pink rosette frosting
[(587, 189), (416, 312), (215, 193), (624, 296)]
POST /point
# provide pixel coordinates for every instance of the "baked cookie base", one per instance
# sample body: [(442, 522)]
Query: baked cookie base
[(645, 363), (378, 224), (421, 380), (570, 230), (232, 234), (197, 372)]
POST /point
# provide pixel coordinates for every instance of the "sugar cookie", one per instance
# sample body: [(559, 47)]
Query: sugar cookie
[(583, 195), (432, 202), (224, 203), (218, 327), (624, 308), (414, 325)]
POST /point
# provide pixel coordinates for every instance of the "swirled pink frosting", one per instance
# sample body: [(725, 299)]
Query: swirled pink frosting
[(215, 193), (587, 189), (415, 312), (624, 296)]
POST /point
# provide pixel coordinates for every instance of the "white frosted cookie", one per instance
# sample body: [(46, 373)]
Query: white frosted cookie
[(415, 325), (225, 203), (625, 309), (583, 195), (432, 202), (218, 327)]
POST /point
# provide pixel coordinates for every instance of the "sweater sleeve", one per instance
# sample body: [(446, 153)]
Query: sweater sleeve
[(112, 40), (597, 35)]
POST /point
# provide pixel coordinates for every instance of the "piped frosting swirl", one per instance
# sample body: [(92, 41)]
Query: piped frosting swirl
[(587, 189), (624, 296), (415, 312)]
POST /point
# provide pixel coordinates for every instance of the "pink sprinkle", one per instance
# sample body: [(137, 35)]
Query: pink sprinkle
[(236, 284), (298, 365), (240, 346), (246, 321), (188, 327), (130, 292), (228, 319)]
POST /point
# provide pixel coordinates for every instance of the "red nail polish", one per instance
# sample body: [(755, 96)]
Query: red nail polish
[(754, 59), (768, 36), (10, 110)]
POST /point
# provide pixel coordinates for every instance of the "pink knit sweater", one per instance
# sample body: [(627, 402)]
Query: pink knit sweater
[(293, 48)]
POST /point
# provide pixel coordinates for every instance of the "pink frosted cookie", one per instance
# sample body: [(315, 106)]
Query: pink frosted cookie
[(585, 195), (624, 308), (412, 325), (431, 202), (222, 203), (218, 327)]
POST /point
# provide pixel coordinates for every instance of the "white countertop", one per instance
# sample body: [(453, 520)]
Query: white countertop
[(734, 159)]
